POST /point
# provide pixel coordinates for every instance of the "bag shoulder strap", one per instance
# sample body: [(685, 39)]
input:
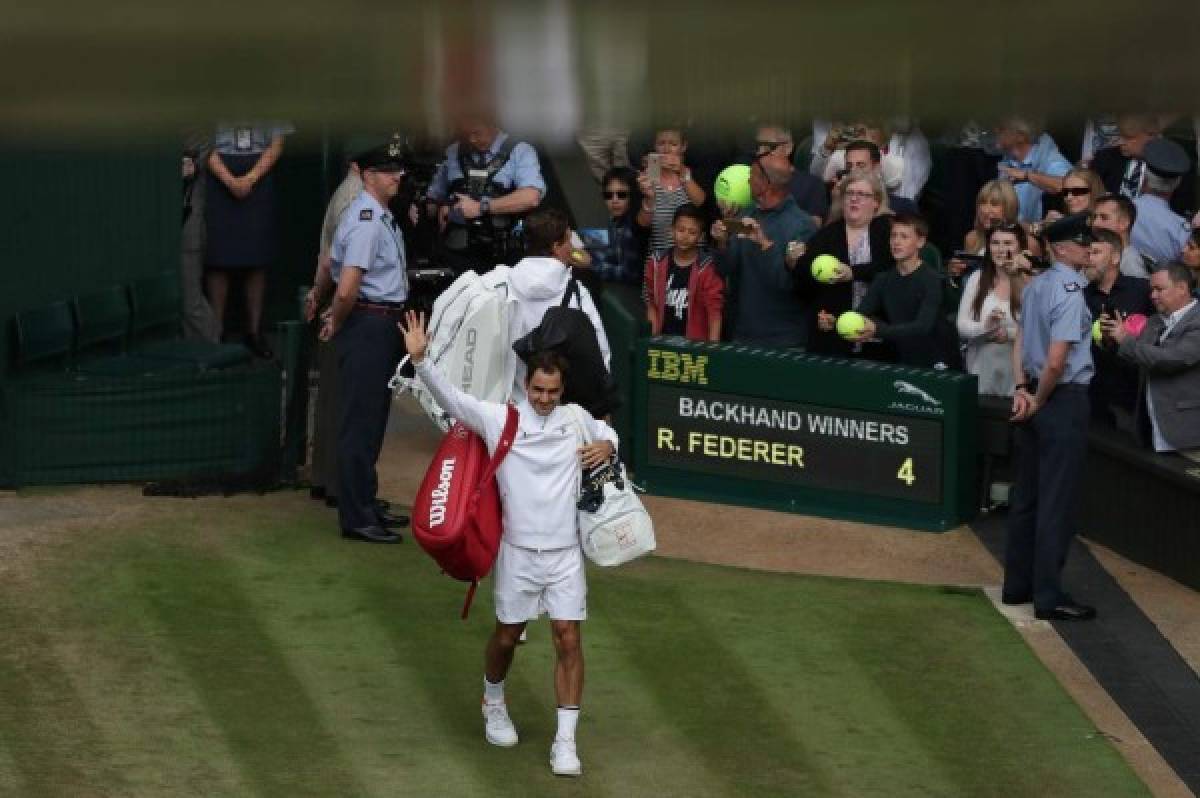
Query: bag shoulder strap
[(572, 288), (507, 436)]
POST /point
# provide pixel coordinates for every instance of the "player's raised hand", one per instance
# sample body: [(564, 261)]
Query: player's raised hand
[(415, 339)]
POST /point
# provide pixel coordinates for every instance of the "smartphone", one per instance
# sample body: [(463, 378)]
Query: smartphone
[(735, 227), (654, 167)]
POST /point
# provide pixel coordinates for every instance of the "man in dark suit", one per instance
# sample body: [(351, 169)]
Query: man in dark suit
[(1168, 354), (1122, 167)]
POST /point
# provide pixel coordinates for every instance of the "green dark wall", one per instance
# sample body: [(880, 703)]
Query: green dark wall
[(80, 220), (75, 221)]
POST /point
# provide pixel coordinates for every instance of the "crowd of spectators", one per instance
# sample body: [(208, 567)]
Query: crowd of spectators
[(939, 278), (746, 274)]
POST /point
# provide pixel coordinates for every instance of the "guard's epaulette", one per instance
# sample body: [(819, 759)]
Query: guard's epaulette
[(365, 215)]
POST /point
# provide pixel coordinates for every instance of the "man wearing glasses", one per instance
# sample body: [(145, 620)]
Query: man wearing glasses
[(773, 143)]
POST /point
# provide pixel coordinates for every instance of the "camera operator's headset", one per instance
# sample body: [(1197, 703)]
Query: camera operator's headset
[(493, 231)]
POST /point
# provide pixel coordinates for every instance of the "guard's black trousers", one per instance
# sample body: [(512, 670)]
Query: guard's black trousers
[(1049, 458), (368, 348)]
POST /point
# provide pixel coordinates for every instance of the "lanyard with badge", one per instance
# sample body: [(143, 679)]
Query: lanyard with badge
[(243, 139)]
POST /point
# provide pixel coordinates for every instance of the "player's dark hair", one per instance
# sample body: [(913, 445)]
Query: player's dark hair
[(544, 229), (547, 361)]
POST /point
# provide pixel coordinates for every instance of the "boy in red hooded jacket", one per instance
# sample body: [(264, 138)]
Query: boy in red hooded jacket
[(684, 293)]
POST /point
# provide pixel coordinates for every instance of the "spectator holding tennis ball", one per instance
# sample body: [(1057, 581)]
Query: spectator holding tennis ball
[(902, 308), (858, 237), (760, 251)]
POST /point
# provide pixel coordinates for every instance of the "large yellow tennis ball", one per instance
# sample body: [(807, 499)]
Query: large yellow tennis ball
[(824, 267), (851, 324), (732, 188)]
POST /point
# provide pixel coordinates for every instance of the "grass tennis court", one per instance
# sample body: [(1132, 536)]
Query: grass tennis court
[(239, 648)]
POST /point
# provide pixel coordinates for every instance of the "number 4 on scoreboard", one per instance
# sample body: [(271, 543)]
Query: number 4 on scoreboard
[(906, 474)]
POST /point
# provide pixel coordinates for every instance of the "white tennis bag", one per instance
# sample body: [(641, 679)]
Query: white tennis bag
[(614, 527), (468, 342)]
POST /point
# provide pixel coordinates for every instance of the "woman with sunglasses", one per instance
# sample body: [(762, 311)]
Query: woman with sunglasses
[(987, 314), (1081, 189), (619, 258)]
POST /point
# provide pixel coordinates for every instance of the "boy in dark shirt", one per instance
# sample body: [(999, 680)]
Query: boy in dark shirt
[(684, 293), (903, 305)]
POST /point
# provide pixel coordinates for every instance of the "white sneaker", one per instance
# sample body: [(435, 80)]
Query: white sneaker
[(498, 727), (563, 759)]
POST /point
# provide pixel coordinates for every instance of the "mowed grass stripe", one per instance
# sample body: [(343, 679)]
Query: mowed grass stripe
[(737, 733), (270, 725), (1007, 704), (337, 609), (142, 698), (702, 680), (810, 680), (835, 706), (45, 728)]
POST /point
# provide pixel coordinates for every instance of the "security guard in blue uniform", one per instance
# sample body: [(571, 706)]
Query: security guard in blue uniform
[(368, 265), (1053, 360), (487, 183)]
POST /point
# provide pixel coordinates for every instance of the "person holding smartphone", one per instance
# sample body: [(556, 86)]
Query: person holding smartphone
[(987, 314), (666, 183)]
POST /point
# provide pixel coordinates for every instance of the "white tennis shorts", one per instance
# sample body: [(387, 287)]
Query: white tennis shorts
[(528, 582)]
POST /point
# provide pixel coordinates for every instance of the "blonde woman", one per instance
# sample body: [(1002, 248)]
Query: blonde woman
[(1081, 189), (858, 236)]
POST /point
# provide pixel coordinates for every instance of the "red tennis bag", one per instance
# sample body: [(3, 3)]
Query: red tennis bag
[(456, 515)]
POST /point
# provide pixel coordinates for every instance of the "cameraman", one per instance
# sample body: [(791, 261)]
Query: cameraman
[(486, 184)]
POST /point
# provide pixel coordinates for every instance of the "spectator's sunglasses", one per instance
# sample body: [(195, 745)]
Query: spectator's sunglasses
[(1004, 227), (768, 146), (1076, 191), (616, 195)]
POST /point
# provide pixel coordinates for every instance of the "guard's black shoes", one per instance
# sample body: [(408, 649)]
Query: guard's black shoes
[(259, 346), (388, 519), (371, 534), (1067, 611), (383, 505)]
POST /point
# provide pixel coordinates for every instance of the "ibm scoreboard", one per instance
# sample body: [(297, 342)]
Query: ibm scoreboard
[(818, 435)]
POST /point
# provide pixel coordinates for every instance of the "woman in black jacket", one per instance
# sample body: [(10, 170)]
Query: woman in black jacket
[(857, 235)]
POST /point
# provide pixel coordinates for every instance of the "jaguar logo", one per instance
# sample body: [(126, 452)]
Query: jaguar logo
[(911, 390)]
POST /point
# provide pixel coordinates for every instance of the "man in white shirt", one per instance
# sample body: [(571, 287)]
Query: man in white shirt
[(540, 563)]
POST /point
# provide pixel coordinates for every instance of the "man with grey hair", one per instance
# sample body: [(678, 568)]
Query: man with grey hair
[(773, 143), (1032, 162), (760, 255), (1159, 232)]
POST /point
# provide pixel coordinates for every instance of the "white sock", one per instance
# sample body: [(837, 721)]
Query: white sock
[(493, 693), (568, 718)]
